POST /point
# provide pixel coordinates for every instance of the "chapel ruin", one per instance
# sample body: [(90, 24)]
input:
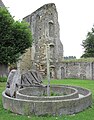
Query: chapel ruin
[(45, 31)]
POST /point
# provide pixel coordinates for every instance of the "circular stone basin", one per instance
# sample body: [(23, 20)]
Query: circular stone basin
[(25, 104), (40, 93)]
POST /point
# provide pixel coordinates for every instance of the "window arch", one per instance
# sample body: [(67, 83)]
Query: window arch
[(51, 28)]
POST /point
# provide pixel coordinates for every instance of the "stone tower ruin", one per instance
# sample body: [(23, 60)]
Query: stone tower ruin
[(45, 30)]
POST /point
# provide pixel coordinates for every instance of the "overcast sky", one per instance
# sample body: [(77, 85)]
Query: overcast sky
[(76, 18)]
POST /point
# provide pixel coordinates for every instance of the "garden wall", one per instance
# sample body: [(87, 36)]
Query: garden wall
[(81, 70)]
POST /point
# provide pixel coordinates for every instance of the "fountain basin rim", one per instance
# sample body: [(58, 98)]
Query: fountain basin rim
[(60, 96), (89, 94), (3, 94)]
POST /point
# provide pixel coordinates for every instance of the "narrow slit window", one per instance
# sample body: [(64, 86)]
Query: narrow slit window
[(51, 29)]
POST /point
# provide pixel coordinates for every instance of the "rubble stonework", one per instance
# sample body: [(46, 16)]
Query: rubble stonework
[(80, 70), (45, 30)]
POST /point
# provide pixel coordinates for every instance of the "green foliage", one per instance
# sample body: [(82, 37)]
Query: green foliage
[(3, 79), (88, 44), (55, 94), (15, 37)]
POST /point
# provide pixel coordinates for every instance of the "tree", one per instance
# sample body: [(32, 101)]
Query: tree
[(15, 38), (88, 44)]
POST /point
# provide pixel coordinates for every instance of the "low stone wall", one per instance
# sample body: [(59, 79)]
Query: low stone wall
[(38, 93), (51, 107), (81, 70)]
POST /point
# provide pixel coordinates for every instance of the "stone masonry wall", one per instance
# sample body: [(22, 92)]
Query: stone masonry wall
[(45, 31), (81, 70), (25, 61)]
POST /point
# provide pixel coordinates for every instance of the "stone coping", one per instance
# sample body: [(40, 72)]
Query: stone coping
[(65, 93)]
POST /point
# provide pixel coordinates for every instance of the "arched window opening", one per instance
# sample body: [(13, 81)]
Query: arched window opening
[(51, 29)]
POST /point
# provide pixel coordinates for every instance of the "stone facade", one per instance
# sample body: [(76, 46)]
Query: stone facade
[(81, 70), (45, 31)]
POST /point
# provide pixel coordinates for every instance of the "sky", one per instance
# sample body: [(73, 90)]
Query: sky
[(76, 18)]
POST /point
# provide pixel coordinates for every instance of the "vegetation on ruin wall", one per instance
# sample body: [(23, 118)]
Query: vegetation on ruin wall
[(88, 114), (79, 60), (15, 37)]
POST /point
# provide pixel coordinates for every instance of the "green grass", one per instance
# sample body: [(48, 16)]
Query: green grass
[(88, 114)]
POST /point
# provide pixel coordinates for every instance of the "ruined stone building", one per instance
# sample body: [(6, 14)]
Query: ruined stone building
[(45, 31)]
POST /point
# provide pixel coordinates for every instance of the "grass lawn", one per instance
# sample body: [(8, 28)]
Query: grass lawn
[(88, 114)]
